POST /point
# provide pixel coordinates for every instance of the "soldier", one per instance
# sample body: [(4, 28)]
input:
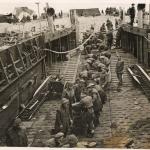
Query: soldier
[(102, 28), (97, 103), (63, 119), (104, 78), (84, 74), (88, 115), (70, 95), (83, 85), (16, 135), (72, 141), (109, 36), (106, 54), (92, 28), (109, 25), (101, 92), (77, 90), (88, 64), (118, 37), (104, 60), (119, 69), (88, 49), (57, 141), (132, 14)]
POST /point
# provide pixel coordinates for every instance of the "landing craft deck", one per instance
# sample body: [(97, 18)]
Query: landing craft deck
[(123, 110), (35, 71)]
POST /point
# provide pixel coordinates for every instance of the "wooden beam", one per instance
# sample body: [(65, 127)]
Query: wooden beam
[(18, 48), (38, 45), (30, 60), (33, 51), (12, 61), (149, 14), (50, 53), (4, 71)]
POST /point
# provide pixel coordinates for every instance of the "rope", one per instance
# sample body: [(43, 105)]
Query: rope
[(72, 49)]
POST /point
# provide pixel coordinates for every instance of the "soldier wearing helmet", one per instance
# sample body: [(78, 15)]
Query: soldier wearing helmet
[(16, 135), (57, 141), (63, 118), (97, 103), (87, 115)]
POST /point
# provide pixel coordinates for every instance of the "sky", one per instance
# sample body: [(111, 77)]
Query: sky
[(7, 6)]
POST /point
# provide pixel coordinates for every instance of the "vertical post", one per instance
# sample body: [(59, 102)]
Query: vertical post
[(140, 50), (4, 71), (33, 51), (137, 42), (13, 64), (21, 58), (39, 15), (149, 14), (77, 27), (145, 52), (50, 53), (140, 19), (44, 68)]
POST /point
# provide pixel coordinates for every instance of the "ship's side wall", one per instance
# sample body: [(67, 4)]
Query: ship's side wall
[(22, 70), (136, 41)]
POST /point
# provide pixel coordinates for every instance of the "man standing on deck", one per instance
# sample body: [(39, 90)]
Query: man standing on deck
[(16, 135), (87, 115), (132, 14), (109, 36), (119, 69)]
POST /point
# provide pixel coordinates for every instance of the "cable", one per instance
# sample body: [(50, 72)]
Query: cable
[(72, 49)]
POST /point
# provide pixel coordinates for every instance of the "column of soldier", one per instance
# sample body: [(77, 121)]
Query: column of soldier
[(82, 102)]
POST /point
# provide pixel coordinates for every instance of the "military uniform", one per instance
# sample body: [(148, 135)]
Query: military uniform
[(77, 92), (63, 119), (97, 103), (109, 39), (119, 70), (102, 94), (106, 54), (118, 37), (16, 136), (103, 29), (88, 115), (104, 78), (84, 74), (109, 25), (97, 106), (132, 14), (105, 60), (70, 95)]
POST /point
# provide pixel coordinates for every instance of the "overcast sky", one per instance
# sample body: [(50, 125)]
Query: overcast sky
[(7, 6)]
